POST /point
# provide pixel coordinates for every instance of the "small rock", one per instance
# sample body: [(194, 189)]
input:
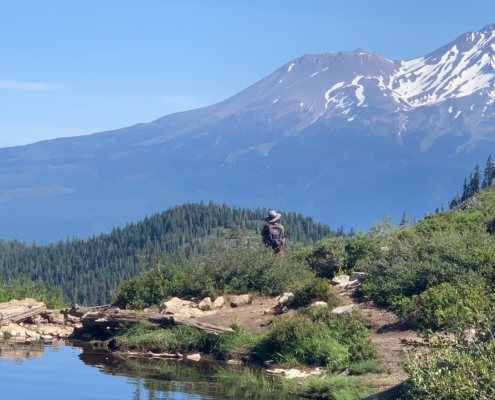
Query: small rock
[(46, 338), (319, 304), (56, 318), (205, 304), (234, 362), (218, 303), (73, 320), (345, 372), (285, 298), (269, 311), (344, 309), (241, 300), (341, 279), (268, 362), (294, 374), (194, 357), (276, 371)]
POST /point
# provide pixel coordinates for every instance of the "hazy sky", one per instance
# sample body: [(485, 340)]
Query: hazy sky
[(79, 67)]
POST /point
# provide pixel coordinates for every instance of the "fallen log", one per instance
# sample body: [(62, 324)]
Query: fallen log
[(18, 310), (79, 311), (111, 319)]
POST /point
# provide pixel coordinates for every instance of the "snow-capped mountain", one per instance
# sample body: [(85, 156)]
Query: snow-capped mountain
[(345, 136)]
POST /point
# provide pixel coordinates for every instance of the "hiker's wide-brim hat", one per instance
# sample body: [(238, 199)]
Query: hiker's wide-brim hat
[(272, 216)]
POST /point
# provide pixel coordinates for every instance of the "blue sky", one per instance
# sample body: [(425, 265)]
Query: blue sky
[(79, 67)]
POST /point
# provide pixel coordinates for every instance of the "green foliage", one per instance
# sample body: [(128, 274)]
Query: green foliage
[(296, 338), (316, 290), (450, 370), (327, 257), (145, 337), (317, 337), (88, 271), (447, 307), (336, 388), (361, 249), (415, 261), (224, 270), (348, 328), (22, 287)]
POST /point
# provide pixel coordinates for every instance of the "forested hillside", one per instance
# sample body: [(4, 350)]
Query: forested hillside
[(89, 270)]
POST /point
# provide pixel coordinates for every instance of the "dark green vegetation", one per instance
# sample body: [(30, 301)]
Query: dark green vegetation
[(227, 269), (22, 287), (88, 271), (312, 337)]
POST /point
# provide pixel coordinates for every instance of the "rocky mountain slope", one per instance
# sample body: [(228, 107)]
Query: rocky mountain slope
[(345, 136)]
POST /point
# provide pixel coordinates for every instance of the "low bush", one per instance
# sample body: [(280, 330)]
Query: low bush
[(224, 270), (317, 337), (447, 307), (348, 328), (298, 340), (326, 257), (22, 287), (450, 370), (414, 262), (317, 290)]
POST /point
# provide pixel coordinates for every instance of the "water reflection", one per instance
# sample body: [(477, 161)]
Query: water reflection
[(136, 379)]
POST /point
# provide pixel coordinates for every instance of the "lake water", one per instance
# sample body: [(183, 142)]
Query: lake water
[(75, 370)]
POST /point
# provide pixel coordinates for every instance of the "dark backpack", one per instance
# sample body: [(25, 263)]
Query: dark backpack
[(275, 237)]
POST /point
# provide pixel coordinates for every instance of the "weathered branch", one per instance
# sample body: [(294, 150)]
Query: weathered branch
[(111, 319), (18, 310)]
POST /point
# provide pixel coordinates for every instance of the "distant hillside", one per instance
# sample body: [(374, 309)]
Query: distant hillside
[(89, 270)]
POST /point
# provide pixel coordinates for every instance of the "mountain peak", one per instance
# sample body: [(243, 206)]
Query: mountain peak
[(361, 50), (488, 28)]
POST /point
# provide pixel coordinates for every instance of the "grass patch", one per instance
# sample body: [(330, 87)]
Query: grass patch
[(145, 336), (337, 387), (317, 337)]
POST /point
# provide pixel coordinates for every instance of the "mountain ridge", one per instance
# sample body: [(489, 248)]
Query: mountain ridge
[(367, 134)]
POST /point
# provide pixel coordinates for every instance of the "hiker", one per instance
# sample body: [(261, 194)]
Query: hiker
[(273, 234)]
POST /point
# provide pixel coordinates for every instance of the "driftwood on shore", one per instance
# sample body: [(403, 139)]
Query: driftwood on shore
[(110, 319), (18, 310)]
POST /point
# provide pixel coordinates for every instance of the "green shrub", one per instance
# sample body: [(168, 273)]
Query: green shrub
[(327, 257), (348, 328), (224, 270), (447, 307), (317, 290), (317, 337), (22, 287), (449, 371), (296, 339), (415, 262)]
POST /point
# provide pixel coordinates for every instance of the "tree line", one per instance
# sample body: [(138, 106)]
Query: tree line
[(474, 184), (89, 270)]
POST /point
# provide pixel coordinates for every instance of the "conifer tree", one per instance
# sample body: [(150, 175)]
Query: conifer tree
[(489, 172), (404, 221)]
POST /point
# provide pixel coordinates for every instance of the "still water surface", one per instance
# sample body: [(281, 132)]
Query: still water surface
[(76, 371)]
